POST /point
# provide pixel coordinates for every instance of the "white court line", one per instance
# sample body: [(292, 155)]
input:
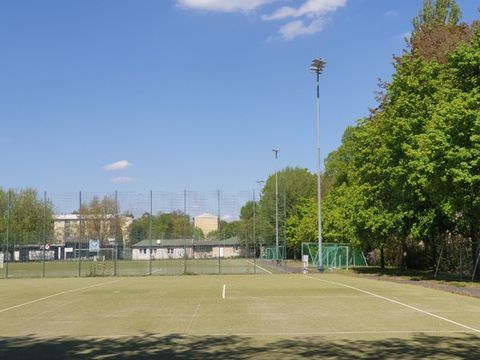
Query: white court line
[(194, 315), (259, 267), (53, 295), (223, 292), (333, 333), (281, 334), (397, 302)]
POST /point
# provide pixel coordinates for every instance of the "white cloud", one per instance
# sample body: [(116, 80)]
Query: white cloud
[(223, 5), (315, 10), (391, 13), (310, 8), (296, 28), (310, 15), (122, 180), (118, 165)]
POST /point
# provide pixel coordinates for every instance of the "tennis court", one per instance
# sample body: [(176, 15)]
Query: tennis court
[(234, 317)]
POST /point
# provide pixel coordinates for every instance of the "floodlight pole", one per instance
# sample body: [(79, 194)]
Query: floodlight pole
[(317, 67), (276, 203)]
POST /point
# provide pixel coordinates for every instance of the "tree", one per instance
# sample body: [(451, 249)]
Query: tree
[(435, 12), (28, 216), (173, 225), (407, 176), (294, 184), (100, 220)]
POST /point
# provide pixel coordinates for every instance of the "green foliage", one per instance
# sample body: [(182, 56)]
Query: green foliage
[(174, 225), (302, 225), (198, 234), (444, 12), (27, 216), (409, 175), (294, 184)]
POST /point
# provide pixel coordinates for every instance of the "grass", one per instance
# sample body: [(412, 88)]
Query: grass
[(261, 317)]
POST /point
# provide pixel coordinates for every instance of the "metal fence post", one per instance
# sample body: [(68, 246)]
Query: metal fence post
[(150, 231), (8, 233), (184, 233), (80, 234), (254, 234), (218, 232), (115, 219), (44, 230)]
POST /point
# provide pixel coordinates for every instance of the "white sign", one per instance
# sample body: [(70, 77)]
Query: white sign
[(305, 264), (94, 246)]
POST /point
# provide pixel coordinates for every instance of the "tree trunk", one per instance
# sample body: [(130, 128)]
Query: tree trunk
[(433, 252), (475, 235), (382, 258), (404, 252)]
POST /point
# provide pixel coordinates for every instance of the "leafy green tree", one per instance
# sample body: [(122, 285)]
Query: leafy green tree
[(198, 234), (139, 229), (302, 225), (434, 12), (173, 225), (27, 216), (406, 177), (294, 184)]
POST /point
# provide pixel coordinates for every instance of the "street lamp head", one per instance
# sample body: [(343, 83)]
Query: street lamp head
[(317, 66)]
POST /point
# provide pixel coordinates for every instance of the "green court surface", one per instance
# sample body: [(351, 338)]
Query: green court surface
[(76, 268), (234, 317)]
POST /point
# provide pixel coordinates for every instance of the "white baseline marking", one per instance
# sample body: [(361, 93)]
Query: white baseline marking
[(223, 292), (333, 333), (397, 302), (286, 334), (267, 271), (53, 295)]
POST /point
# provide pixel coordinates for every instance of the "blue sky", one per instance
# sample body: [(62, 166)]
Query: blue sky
[(145, 94)]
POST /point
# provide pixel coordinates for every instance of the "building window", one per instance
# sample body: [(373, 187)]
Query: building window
[(170, 251)]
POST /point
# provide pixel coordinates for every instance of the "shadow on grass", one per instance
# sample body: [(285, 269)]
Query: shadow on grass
[(415, 275), (149, 346)]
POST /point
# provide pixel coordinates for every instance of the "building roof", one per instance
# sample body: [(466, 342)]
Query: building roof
[(206, 216), (157, 243)]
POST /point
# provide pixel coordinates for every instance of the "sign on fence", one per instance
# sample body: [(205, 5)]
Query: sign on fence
[(94, 246)]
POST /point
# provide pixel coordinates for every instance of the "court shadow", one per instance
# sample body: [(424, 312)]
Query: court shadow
[(150, 346)]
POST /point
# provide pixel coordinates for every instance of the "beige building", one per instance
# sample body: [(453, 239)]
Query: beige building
[(66, 228), (206, 222)]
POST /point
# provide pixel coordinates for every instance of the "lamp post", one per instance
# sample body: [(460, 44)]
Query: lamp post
[(276, 203), (317, 67)]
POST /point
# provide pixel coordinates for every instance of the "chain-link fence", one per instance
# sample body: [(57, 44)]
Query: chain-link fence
[(126, 233)]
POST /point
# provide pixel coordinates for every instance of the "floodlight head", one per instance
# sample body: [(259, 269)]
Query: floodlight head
[(317, 66), (276, 152)]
